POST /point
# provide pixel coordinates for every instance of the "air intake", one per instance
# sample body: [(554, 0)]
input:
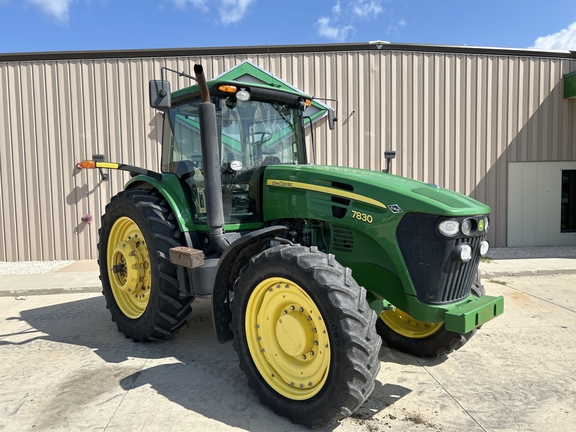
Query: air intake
[(342, 239)]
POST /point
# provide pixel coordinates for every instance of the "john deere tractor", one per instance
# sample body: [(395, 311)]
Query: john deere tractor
[(304, 264)]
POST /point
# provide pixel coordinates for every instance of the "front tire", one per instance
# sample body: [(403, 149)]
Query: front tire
[(305, 335), (422, 339), (405, 333), (139, 282)]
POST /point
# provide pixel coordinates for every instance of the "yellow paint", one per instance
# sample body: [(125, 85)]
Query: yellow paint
[(326, 190), (130, 282), (405, 325), (287, 338), (109, 165)]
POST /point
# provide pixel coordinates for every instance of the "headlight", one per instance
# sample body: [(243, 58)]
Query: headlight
[(462, 253), (484, 246), (243, 95), (486, 223), (449, 227), (468, 227)]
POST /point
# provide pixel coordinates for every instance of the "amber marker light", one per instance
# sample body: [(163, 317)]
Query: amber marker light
[(227, 89), (88, 164), (308, 102)]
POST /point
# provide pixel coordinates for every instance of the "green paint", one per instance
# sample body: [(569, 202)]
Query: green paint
[(351, 213), (570, 85), (171, 189)]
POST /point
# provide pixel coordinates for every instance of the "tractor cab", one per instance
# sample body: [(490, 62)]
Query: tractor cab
[(254, 131)]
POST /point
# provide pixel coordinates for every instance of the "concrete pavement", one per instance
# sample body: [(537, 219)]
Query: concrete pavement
[(83, 276), (65, 367), (78, 277)]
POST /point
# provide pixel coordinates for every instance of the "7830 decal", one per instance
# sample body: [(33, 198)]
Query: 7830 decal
[(364, 217)]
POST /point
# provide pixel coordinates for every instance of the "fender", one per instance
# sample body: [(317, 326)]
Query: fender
[(171, 189), (233, 259)]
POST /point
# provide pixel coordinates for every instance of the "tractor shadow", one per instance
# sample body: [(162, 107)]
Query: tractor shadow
[(190, 369)]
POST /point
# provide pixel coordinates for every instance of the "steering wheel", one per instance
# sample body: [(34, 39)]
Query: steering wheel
[(264, 136)]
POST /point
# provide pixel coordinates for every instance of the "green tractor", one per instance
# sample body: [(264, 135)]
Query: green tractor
[(305, 265)]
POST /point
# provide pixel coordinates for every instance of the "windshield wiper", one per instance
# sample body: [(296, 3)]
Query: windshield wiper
[(278, 109)]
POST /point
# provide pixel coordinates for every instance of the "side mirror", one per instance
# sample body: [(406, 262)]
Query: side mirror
[(331, 118), (160, 94)]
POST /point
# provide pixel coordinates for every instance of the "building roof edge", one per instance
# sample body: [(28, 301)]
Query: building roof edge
[(281, 49)]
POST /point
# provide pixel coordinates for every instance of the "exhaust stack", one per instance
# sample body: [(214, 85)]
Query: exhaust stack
[(211, 164)]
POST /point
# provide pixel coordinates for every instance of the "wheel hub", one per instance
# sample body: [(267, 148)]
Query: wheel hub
[(128, 264), (295, 334), (131, 265)]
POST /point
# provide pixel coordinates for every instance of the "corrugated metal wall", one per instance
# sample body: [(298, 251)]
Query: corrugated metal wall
[(454, 119)]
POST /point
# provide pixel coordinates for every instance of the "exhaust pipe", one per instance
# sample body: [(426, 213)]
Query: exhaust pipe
[(211, 164)]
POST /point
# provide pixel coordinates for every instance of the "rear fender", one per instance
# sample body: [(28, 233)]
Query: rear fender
[(233, 259), (171, 189)]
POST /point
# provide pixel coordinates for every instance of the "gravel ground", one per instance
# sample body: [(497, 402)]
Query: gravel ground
[(533, 252), (32, 267)]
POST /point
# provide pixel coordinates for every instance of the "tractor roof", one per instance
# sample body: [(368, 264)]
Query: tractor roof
[(257, 91)]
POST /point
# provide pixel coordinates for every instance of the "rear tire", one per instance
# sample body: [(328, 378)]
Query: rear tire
[(305, 335), (139, 282)]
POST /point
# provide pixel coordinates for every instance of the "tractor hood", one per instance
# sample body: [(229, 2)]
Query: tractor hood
[(372, 191)]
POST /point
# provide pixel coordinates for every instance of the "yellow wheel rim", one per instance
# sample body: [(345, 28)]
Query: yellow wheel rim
[(287, 338), (128, 267), (405, 325)]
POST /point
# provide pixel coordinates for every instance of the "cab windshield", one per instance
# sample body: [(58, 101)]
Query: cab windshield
[(253, 135)]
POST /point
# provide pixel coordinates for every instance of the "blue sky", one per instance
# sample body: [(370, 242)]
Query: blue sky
[(78, 25)]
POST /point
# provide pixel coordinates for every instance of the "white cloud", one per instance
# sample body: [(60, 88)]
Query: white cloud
[(336, 33), (339, 25), (199, 4), (232, 11), (565, 39), (367, 9), (337, 9), (57, 8)]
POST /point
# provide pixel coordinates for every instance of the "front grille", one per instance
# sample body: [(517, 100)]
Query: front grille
[(437, 278), (461, 276)]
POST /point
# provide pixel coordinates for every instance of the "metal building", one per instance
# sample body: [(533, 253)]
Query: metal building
[(496, 124)]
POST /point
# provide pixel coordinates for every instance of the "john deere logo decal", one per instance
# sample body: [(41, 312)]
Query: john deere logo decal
[(395, 208)]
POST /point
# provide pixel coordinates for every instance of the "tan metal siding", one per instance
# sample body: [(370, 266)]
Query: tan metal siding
[(456, 120)]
